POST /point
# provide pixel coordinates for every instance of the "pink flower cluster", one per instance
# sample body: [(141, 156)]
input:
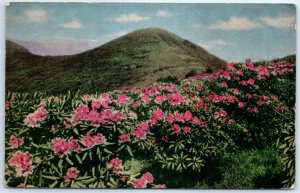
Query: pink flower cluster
[(103, 102), (264, 100), (263, 72), (176, 99), (115, 164), (250, 81), (61, 146), (124, 137), (221, 113), (7, 105), (282, 71), (71, 174), (16, 141), (92, 140), (123, 99), (22, 162), (144, 180), (158, 115), (160, 98), (105, 116), (34, 119), (178, 117), (141, 131)]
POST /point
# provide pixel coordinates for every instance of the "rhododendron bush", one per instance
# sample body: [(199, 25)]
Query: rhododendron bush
[(78, 140)]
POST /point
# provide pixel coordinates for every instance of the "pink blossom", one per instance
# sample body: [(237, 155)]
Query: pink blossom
[(34, 119), (81, 113), (250, 81), (242, 104), (240, 72), (231, 121), (249, 96), (139, 183), (171, 88), (231, 99), (236, 91), (249, 64), (103, 101), (7, 105), (253, 109), (175, 128), (145, 98), (170, 118), (158, 114), (123, 99), (230, 66), (236, 78), (264, 100), (216, 98), (224, 84), (139, 133), (142, 130), (198, 121), (61, 146), (176, 99), (115, 163), (74, 145), (148, 177), (275, 98), (187, 129), (136, 104), (224, 74), (179, 117), (263, 72), (22, 162), (124, 137), (160, 186), (220, 113), (188, 116), (200, 88), (160, 98), (71, 174), (92, 140), (16, 141), (165, 138)]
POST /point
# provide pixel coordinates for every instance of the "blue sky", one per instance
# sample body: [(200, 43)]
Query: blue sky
[(233, 32)]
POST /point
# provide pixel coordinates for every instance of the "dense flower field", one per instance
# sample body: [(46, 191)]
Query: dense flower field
[(77, 140)]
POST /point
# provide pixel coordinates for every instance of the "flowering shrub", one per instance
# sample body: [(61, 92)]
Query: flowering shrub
[(83, 141)]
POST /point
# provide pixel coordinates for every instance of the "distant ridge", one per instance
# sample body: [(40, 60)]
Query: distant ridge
[(137, 59)]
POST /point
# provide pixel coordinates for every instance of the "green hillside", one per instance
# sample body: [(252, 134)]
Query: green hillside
[(137, 59)]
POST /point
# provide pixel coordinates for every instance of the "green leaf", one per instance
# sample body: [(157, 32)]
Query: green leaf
[(76, 131), (78, 159), (50, 177), (88, 181), (107, 151), (69, 161), (60, 165), (53, 184), (129, 150), (84, 156)]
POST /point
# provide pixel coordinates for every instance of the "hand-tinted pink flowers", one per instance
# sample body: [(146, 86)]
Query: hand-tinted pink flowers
[(16, 141), (71, 174), (34, 119), (61, 146), (144, 180), (92, 140), (22, 162)]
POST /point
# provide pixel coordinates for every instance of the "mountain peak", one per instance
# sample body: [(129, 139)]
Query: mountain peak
[(139, 58)]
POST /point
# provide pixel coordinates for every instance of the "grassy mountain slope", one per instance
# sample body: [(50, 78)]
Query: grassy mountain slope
[(136, 59)]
